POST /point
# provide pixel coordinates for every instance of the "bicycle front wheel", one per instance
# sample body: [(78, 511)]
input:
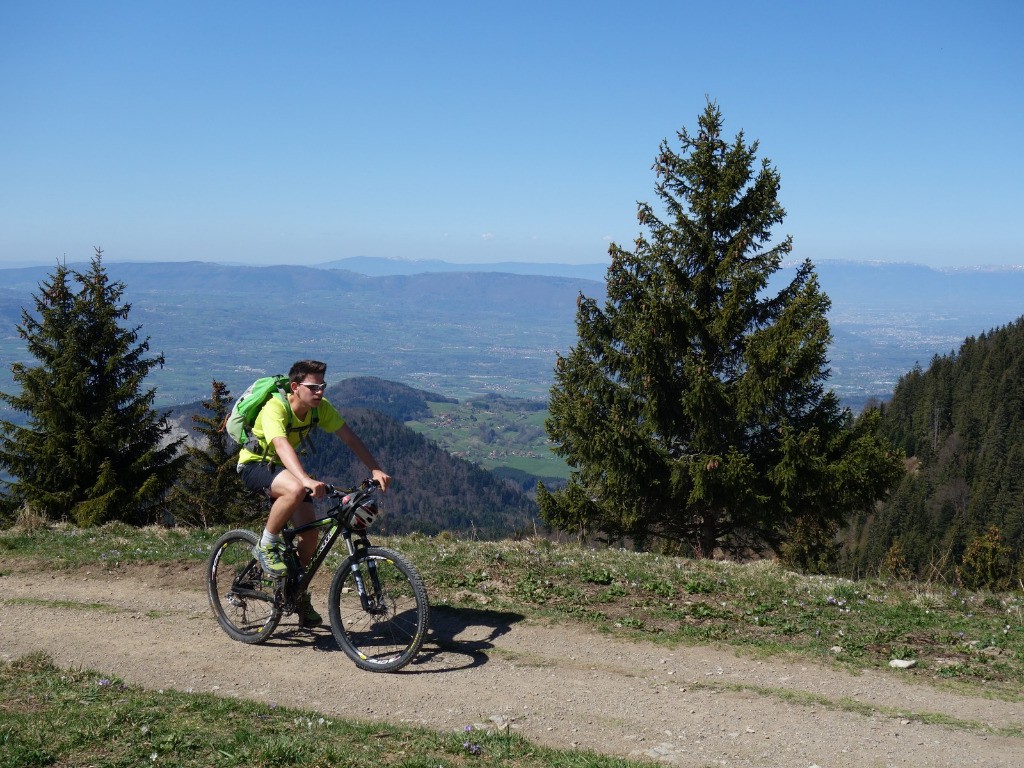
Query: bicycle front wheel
[(379, 610), (241, 595)]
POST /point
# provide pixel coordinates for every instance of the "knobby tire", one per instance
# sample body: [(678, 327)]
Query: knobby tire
[(241, 595), (386, 634)]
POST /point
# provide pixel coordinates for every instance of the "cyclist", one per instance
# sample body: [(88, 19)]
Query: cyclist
[(275, 468)]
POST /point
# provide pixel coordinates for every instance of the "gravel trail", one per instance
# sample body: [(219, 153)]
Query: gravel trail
[(561, 686)]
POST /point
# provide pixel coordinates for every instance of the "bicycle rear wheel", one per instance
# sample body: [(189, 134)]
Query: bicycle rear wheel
[(241, 595), (383, 629)]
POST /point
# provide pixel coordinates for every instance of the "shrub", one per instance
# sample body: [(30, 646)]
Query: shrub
[(986, 562)]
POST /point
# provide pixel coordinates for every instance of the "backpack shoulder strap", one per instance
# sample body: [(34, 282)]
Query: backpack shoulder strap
[(304, 432), (313, 422)]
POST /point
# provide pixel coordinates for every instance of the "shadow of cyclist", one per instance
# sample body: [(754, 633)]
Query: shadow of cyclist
[(463, 633), (458, 638)]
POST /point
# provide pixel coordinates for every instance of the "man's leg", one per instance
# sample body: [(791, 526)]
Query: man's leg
[(290, 504)]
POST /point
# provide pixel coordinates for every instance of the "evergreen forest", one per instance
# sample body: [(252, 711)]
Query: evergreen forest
[(961, 425), (432, 490)]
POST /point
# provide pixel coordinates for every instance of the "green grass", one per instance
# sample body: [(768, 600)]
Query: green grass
[(64, 546), (50, 716), (808, 699)]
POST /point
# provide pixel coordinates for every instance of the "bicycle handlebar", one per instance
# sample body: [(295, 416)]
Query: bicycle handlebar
[(366, 486)]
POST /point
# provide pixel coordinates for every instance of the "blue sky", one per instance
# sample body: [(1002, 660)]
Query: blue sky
[(297, 133)]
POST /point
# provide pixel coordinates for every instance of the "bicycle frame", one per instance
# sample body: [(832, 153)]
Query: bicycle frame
[(298, 579)]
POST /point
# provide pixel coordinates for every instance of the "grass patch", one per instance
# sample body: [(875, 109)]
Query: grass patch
[(65, 546), (50, 716), (808, 699)]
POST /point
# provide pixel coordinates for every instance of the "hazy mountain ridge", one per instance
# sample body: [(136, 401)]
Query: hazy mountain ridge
[(194, 276), (381, 267), (465, 333), (913, 285), (461, 334), (867, 283)]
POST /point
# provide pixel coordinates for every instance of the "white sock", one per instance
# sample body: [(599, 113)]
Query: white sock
[(270, 539)]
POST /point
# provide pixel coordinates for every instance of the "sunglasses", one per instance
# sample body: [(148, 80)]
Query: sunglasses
[(315, 387)]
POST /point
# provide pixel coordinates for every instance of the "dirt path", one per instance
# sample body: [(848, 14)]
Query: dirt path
[(562, 687)]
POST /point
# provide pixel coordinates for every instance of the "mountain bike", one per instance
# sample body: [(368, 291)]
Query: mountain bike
[(377, 602)]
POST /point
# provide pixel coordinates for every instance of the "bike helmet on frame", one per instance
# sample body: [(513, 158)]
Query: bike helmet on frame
[(362, 516)]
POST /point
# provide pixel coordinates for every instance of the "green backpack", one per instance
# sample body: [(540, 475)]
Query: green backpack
[(247, 407)]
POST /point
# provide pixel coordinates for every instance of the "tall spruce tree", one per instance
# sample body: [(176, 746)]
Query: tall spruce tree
[(92, 448), (209, 491), (693, 408)]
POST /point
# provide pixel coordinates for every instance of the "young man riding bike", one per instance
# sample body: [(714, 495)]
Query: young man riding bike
[(275, 468)]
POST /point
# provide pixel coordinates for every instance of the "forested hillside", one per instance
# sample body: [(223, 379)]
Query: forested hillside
[(399, 401), (961, 425), (433, 491)]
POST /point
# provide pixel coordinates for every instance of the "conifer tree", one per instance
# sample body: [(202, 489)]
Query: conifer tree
[(693, 408), (208, 491), (92, 448), (961, 422)]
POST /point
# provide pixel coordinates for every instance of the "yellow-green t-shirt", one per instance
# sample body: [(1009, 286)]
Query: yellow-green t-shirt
[(275, 419)]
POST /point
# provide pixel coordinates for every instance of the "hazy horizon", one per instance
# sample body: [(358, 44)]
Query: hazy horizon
[(107, 259)]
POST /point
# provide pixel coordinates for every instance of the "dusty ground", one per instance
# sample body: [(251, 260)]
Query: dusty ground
[(558, 686)]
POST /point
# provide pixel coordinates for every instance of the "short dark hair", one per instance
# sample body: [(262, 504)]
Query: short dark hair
[(304, 368)]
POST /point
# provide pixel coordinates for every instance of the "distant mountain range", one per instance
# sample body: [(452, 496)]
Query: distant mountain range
[(458, 334), (378, 267), (868, 284), (469, 329)]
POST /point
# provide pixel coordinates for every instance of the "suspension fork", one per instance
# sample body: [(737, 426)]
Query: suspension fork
[(355, 550)]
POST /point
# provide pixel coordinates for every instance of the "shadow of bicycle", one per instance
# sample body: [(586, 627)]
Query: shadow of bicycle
[(458, 638)]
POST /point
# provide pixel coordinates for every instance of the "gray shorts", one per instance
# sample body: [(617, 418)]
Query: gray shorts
[(258, 475)]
